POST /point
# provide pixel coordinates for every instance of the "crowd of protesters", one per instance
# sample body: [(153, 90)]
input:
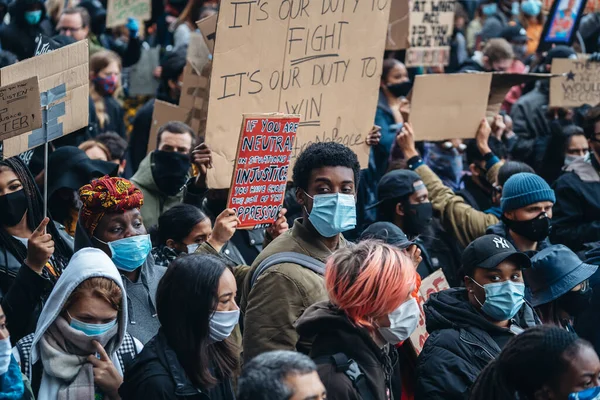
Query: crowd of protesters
[(137, 284)]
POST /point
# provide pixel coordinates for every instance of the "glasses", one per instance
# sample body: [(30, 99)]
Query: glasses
[(69, 30)]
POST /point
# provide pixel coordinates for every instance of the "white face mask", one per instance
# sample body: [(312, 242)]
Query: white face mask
[(403, 322), (569, 159), (191, 248), (5, 354), (222, 323)]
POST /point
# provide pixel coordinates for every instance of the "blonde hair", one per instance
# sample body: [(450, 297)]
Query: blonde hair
[(98, 62)]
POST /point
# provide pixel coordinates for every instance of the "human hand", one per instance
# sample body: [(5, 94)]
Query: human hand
[(202, 158), (374, 136), (106, 376), (482, 137), (406, 141), (225, 226), (280, 226), (414, 252), (133, 27), (40, 248), (499, 127)]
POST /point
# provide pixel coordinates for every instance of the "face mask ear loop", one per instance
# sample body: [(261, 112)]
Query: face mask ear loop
[(476, 299), (304, 205)]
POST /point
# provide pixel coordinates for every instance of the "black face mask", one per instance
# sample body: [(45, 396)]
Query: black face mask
[(575, 303), (170, 171), (401, 89), (417, 217), (536, 229), (12, 208)]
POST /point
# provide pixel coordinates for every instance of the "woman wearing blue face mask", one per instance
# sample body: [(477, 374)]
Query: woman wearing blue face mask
[(532, 19), (110, 220), (192, 356), (80, 346), (469, 326)]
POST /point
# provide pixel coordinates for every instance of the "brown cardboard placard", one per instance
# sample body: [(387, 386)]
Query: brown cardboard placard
[(261, 168), (63, 74), (208, 28), (321, 60), (397, 36), (501, 84), (434, 283), (578, 84), (431, 23), (20, 109), (119, 10), (448, 106), (163, 113)]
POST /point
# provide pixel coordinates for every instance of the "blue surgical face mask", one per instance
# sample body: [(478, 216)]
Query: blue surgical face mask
[(489, 9), (515, 8), (91, 329), (332, 213), (502, 299), (129, 253), (531, 8), (222, 323), (33, 17)]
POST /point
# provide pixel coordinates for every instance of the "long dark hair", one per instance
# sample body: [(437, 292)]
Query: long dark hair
[(177, 222), (186, 298), (35, 215), (554, 158), (529, 361)]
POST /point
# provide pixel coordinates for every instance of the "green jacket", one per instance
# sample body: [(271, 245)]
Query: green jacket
[(465, 222), (282, 293)]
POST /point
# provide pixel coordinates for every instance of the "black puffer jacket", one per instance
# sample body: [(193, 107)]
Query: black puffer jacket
[(461, 343), (334, 333), (19, 37), (155, 374)]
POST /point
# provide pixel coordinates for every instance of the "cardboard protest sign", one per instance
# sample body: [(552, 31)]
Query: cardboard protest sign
[(261, 168), (20, 109), (141, 76), (431, 24), (397, 36), (434, 283), (319, 59), (578, 84), (63, 77), (459, 102), (119, 10), (163, 113), (208, 28)]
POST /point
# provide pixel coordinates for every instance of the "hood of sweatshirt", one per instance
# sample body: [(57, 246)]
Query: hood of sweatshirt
[(85, 264)]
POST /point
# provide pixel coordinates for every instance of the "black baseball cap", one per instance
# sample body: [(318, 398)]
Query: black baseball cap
[(490, 250), (388, 233), (514, 33), (395, 184)]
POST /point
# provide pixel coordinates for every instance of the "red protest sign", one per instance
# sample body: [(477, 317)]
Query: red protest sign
[(261, 168)]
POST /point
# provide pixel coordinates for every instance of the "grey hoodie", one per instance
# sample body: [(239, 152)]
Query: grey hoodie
[(141, 295)]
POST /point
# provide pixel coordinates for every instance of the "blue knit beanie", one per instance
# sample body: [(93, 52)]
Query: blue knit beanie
[(523, 189)]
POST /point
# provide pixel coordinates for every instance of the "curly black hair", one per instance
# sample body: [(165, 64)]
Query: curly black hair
[(324, 154)]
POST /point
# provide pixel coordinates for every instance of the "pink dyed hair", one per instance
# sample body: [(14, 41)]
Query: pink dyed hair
[(369, 280)]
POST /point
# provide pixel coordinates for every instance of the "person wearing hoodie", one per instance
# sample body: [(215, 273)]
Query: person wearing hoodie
[(33, 250), (27, 21), (469, 326), (110, 220), (192, 356), (529, 114), (577, 211), (499, 14), (370, 309), (164, 175), (169, 90), (80, 347), (526, 204), (277, 290), (558, 286)]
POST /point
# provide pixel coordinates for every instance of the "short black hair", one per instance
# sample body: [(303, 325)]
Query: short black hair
[(474, 155), (173, 65), (263, 377), (175, 127), (178, 222), (387, 208), (511, 168), (116, 145), (324, 154)]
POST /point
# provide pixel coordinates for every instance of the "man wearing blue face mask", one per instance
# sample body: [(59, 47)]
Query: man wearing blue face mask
[(287, 276), (28, 21), (498, 14), (469, 326)]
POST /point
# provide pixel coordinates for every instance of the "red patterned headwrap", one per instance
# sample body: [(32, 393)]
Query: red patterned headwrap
[(107, 194)]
